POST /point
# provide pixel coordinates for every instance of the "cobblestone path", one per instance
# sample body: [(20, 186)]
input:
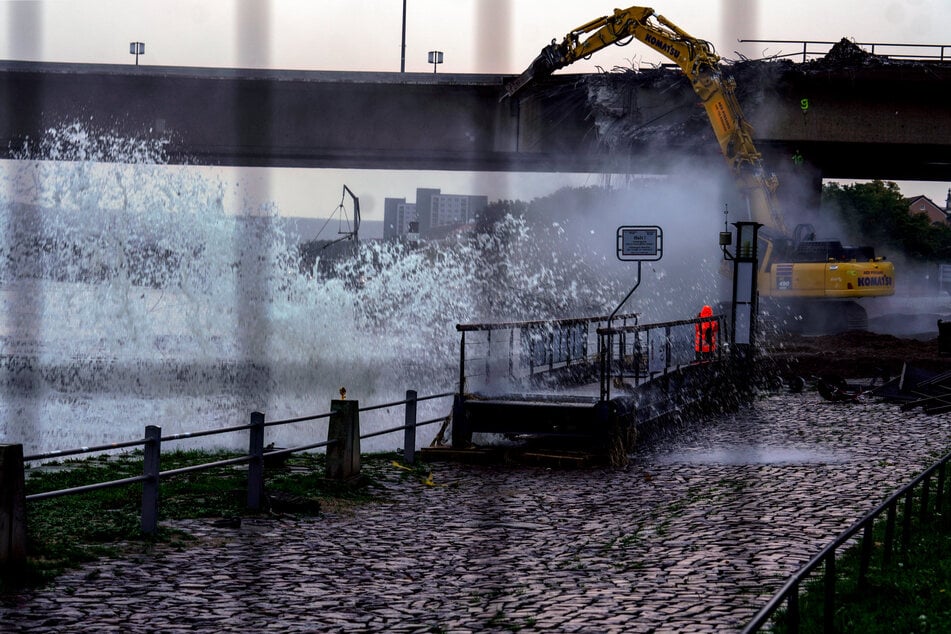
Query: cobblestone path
[(694, 535)]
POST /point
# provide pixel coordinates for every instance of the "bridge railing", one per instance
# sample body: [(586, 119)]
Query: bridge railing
[(641, 351), (812, 49), (521, 353)]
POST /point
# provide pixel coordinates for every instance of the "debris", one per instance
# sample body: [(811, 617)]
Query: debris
[(834, 388), (846, 53), (919, 388)]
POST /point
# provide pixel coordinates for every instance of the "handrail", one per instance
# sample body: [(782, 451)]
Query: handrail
[(543, 345), (383, 432), (611, 361), (58, 453), (504, 325), (941, 56), (614, 330), (791, 586), (86, 488), (403, 402)]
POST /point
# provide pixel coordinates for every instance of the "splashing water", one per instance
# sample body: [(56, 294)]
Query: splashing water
[(130, 296)]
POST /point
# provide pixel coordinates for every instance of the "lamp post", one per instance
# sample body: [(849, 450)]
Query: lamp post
[(403, 48), (136, 48), (435, 57)]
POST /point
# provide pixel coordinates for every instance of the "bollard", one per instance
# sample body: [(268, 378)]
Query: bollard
[(151, 465), (409, 429), (343, 432), (12, 506), (256, 464)]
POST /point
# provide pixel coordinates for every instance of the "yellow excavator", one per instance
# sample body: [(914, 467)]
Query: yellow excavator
[(792, 266)]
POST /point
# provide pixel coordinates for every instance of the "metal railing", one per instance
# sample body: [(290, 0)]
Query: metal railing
[(521, 352), (639, 352), (789, 593), (152, 443), (941, 52)]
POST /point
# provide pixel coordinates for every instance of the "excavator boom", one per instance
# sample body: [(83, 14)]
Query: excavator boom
[(806, 275), (700, 63)]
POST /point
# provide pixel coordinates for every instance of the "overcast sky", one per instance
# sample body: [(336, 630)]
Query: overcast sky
[(476, 36)]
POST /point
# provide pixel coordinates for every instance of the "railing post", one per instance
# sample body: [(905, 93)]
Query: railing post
[(906, 523), (828, 611), (256, 464), (12, 506), (866, 555), (889, 544), (940, 492), (409, 430), (792, 610), (462, 362), (343, 433), (151, 466)]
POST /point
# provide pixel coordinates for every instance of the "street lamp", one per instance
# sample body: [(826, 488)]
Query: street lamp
[(435, 57), (403, 47), (136, 48)]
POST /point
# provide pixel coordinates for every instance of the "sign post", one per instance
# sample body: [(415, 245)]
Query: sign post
[(638, 244)]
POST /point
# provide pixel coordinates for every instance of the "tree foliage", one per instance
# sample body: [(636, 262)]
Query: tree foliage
[(876, 213)]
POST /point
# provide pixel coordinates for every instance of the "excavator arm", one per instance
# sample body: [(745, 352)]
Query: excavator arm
[(698, 61)]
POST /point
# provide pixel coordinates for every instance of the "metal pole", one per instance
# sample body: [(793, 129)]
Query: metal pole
[(403, 47), (256, 465), (409, 430), (151, 465)]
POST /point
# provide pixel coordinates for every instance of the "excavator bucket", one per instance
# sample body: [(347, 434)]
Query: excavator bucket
[(517, 84), (547, 62)]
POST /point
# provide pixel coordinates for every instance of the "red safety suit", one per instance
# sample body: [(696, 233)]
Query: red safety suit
[(706, 333)]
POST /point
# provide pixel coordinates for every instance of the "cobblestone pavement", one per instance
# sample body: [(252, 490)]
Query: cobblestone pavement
[(694, 535)]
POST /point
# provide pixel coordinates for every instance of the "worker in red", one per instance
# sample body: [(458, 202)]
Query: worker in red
[(706, 335)]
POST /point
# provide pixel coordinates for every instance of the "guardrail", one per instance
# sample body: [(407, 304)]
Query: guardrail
[(521, 352), (789, 593), (342, 446), (646, 350), (942, 52)]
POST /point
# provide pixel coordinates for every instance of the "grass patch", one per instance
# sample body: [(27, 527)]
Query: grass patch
[(67, 531), (911, 594)]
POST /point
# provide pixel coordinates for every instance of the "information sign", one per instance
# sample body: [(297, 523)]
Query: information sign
[(639, 244)]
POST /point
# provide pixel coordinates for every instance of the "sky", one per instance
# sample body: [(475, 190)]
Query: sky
[(475, 36)]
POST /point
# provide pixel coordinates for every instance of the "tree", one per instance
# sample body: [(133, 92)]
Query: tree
[(876, 213)]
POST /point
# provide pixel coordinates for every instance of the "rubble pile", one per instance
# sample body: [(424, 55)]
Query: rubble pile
[(847, 54)]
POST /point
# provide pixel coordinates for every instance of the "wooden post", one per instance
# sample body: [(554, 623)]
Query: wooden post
[(461, 431), (343, 454), (151, 466), (12, 506), (256, 465), (409, 430)]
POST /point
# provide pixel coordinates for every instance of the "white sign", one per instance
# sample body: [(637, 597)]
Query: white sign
[(639, 243)]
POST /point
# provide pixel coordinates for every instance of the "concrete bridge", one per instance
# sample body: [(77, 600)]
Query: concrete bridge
[(888, 121)]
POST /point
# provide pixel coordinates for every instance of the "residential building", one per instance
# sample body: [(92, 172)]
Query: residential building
[(924, 205), (436, 213)]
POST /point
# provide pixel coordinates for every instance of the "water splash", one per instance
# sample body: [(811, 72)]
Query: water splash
[(132, 296)]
